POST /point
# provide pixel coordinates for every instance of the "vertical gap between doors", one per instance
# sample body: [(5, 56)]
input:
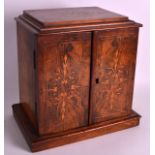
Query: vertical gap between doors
[(90, 79)]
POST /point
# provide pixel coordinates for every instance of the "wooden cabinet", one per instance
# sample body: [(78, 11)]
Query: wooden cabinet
[(76, 74)]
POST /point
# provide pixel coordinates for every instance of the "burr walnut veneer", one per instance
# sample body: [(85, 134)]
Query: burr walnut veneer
[(76, 74)]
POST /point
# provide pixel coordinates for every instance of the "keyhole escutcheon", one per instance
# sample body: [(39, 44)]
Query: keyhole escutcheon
[(97, 80)]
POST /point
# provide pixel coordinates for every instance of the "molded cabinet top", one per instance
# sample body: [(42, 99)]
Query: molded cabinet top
[(72, 16)]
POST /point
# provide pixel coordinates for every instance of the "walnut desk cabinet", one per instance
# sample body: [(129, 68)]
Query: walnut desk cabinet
[(76, 74)]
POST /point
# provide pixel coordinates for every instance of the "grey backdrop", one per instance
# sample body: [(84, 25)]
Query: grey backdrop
[(132, 141)]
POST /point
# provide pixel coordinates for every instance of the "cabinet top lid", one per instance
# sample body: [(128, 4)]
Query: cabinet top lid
[(72, 16)]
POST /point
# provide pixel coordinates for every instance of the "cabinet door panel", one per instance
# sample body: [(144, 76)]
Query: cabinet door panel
[(114, 57), (64, 74)]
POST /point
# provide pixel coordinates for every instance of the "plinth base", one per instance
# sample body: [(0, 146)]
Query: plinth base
[(38, 143)]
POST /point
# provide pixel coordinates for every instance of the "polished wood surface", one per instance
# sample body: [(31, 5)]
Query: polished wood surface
[(76, 75), (39, 143), (26, 48), (114, 58), (69, 16), (63, 73)]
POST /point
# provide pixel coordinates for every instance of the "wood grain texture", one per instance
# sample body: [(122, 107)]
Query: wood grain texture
[(74, 20), (64, 66), (80, 27), (72, 16), (26, 46), (76, 75), (114, 59), (39, 143)]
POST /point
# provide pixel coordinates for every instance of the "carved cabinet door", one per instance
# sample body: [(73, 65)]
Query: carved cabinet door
[(113, 68), (63, 62)]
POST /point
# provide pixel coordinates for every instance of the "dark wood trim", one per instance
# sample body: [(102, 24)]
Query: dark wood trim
[(78, 28)]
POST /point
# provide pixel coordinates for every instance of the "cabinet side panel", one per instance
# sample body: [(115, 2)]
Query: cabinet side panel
[(26, 43), (64, 71), (114, 59)]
